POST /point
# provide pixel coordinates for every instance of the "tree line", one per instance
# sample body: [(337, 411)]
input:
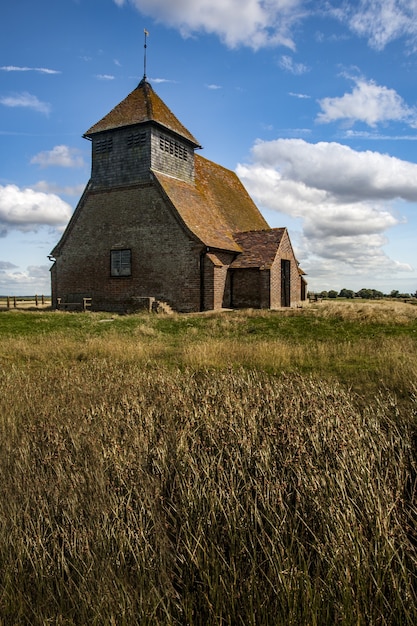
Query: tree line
[(368, 294)]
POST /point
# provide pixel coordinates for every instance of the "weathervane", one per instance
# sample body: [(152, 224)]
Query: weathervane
[(144, 55)]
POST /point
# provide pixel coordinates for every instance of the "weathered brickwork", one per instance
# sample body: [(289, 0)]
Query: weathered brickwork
[(156, 223), (164, 259), (286, 252)]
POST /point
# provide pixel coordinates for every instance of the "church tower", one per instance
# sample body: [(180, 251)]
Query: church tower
[(161, 226), (139, 135)]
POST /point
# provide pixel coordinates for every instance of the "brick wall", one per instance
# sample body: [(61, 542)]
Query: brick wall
[(285, 252), (246, 288), (165, 261), (215, 276)]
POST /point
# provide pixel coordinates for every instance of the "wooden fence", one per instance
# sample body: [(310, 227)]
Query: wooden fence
[(16, 302)]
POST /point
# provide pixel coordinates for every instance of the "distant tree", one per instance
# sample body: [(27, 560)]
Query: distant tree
[(332, 294), (323, 294), (394, 293), (369, 294), (346, 293)]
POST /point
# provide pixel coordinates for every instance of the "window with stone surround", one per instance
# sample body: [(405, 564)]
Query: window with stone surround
[(121, 262)]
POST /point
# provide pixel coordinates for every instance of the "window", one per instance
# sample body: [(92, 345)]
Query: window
[(173, 147), (135, 140), (103, 145), (121, 264)]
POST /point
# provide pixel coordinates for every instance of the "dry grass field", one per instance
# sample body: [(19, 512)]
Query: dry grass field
[(236, 468)]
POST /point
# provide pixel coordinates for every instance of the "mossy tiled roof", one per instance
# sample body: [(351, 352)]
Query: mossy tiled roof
[(141, 105), (259, 248), (216, 207)]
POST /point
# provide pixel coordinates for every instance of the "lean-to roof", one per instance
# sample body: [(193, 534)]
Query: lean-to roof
[(259, 247), (142, 105)]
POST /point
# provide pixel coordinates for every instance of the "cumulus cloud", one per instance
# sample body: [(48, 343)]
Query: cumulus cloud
[(336, 169), (59, 156), (28, 210), (253, 23), (381, 21), (342, 198), (66, 190), (26, 100), (6, 265), (369, 103), (34, 278)]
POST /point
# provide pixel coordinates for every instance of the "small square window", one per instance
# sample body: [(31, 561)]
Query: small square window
[(121, 262)]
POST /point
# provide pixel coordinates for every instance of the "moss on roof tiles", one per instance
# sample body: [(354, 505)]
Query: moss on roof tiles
[(141, 105), (223, 190), (259, 247), (216, 207)]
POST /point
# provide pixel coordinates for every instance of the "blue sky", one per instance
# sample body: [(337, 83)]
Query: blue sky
[(313, 104)]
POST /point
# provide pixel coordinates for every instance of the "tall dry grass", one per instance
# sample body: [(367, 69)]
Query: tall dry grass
[(137, 493)]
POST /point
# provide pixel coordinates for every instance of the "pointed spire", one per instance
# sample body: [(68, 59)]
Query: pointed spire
[(141, 106)]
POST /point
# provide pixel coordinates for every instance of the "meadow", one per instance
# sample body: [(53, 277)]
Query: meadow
[(235, 468)]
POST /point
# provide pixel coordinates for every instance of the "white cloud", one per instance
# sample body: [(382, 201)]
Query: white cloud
[(28, 210), (381, 21), (105, 76), (59, 156), (253, 23), (343, 200), (47, 187), (26, 100), (34, 278), (42, 70), (369, 103), (161, 80), (338, 170), (6, 265), (287, 63)]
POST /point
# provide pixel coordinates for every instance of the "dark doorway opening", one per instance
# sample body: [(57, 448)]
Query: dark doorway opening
[(285, 282)]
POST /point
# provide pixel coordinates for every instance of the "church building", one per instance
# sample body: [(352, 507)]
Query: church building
[(161, 226)]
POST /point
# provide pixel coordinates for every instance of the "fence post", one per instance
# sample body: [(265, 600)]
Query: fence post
[(8, 302), (43, 299), (14, 301), (36, 300)]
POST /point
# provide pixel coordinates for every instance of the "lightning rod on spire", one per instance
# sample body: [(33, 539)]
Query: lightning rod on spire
[(144, 54)]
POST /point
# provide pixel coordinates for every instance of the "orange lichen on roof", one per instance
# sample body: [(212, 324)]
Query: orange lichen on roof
[(200, 217), (216, 207), (259, 247), (141, 105), (223, 189)]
